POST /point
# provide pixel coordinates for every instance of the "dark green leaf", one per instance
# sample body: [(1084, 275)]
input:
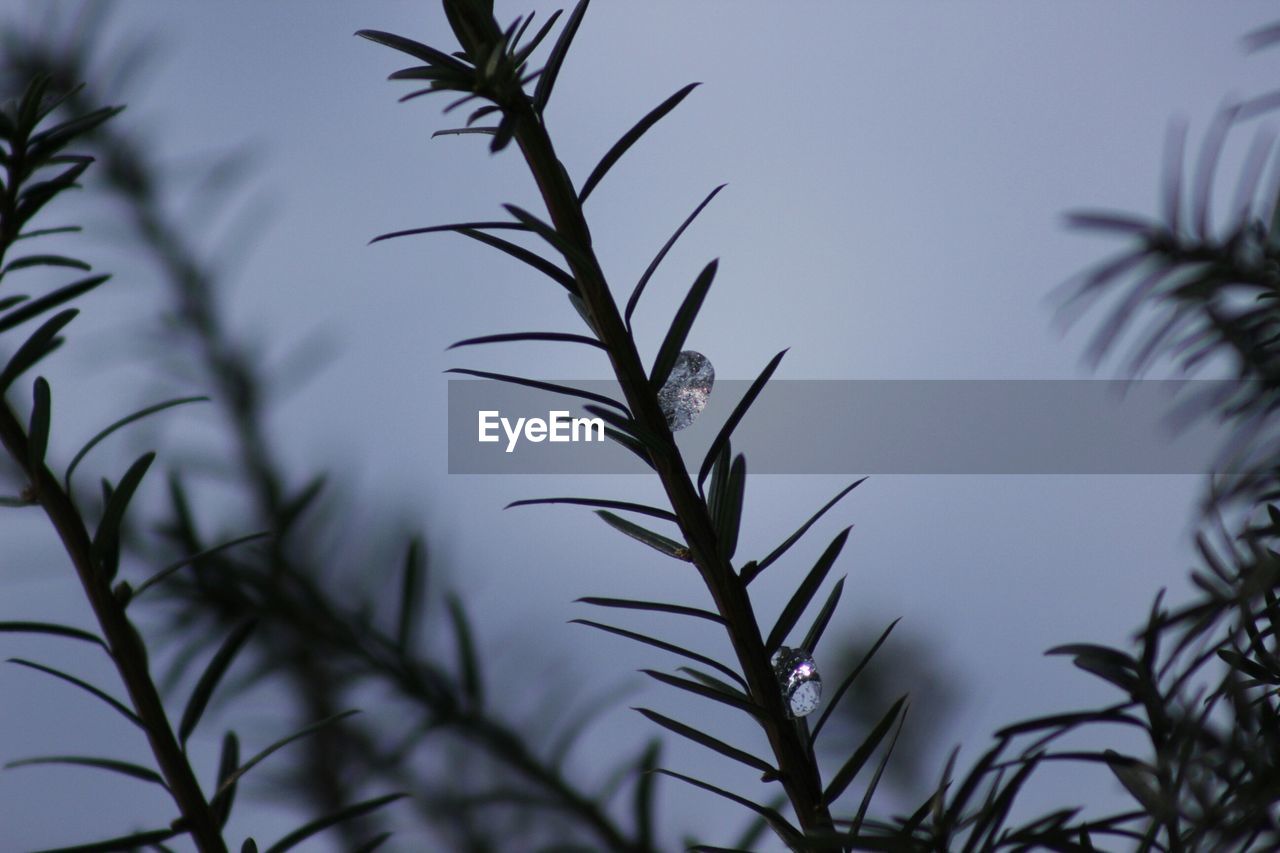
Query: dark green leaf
[(123, 844), (418, 50), (512, 42), (38, 428), (860, 755), (462, 226), (44, 261), (1108, 664), (630, 138), (709, 742), (45, 144), (751, 836), (630, 444), (36, 307), (733, 699), (551, 70), (851, 677), (584, 312), (228, 764), (424, 72), (543, 386), (547, 232), (195, 558), (1069, 720), (1247, 666), (123, 422), (520, 253), (656, 541), (1109, 221), (355, 810), (35, 196), (473, 24), (41, 343), (300, 503), (10, 301), (709, 680), (468, 663), (225, 784), (85, 686), (530, 336), (996, 810), (526, 51), (106, 539), (218, 666), (739, 412), (503, 135), (412, 594), (466, 131), (789, 834), (1262, 38), (876, 777), (51, 629), (47, 232), (719, 480), (28, 109), (631, 604), (673, 343), (664, 646), (122, 767), (623, 506), (824, 616), (804, 593), (481, 113), (727, 513), (373, 843), (183, 526), (646, 782), (795, 537), (47, 106), (1140, 781)]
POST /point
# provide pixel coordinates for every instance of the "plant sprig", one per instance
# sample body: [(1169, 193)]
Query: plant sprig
[(493, 68), (310, 631), (29, 149)]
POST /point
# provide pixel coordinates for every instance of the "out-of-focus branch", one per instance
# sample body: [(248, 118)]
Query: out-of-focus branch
[(308, 634)]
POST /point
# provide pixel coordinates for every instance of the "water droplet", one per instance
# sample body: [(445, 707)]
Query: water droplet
[(798, 679), (686, 390)]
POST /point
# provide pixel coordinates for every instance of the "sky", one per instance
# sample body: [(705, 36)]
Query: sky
[(898, 175)]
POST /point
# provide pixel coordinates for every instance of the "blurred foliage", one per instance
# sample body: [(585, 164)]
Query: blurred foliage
[(911, 665), (37, 133), (332, 637), (269, 588)]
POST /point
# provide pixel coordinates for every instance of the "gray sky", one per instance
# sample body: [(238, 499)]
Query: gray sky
[(897, 174)]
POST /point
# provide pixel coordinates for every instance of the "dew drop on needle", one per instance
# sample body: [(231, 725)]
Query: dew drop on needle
[(684, 395)]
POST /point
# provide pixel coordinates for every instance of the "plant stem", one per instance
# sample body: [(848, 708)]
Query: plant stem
[(799, 773), (125, 646), (300, 607)]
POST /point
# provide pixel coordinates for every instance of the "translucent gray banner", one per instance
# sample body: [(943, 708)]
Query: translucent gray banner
[(867, 427)]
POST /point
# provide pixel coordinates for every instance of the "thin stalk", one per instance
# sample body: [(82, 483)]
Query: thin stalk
[(331, 637), (125, 645), (799, 774)]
